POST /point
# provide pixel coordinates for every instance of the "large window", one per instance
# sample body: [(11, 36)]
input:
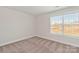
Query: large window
[(56, 24), (66, 24), (71, 24)]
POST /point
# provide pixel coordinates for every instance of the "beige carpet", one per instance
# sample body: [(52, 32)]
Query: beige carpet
[(38, 45)]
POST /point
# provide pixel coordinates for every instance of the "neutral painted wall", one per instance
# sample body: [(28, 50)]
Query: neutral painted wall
[(15, 25), (43, 27)]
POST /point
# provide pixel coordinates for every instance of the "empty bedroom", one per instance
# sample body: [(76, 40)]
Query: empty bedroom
[(39, 29)]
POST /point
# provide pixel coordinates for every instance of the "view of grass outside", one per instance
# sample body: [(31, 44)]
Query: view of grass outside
[(70, 24), (71, 29)]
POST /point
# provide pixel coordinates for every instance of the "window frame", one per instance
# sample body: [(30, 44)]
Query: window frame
[(62, 34)]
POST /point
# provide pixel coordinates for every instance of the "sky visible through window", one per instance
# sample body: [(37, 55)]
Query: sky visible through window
[(56, 20), (69, 19)]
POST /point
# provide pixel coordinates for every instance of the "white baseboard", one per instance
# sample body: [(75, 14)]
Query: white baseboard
[(68, 43), (23, 38)]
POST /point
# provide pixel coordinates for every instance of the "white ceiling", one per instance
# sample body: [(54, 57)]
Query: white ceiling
[(36, 10)]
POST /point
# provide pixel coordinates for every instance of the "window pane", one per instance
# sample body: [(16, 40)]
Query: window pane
[(71, 24), (56, 24)]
